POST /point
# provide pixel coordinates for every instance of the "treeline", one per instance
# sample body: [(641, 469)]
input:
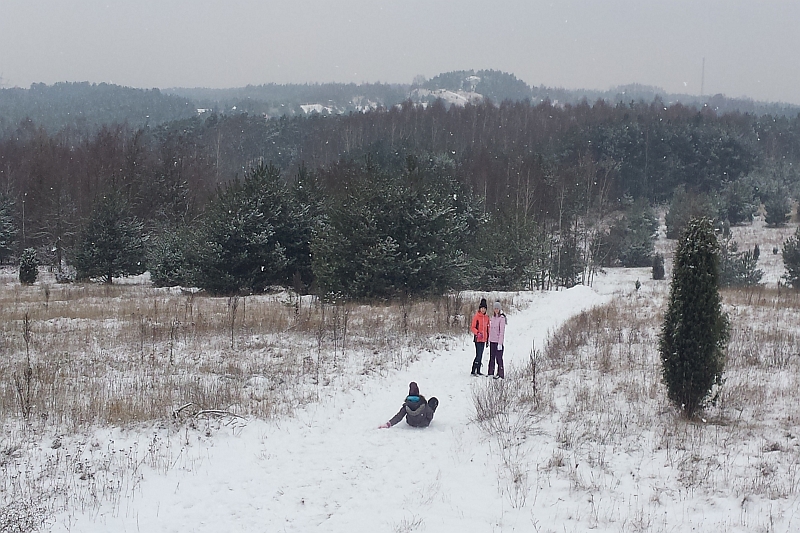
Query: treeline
[(404, 200), (83, 107)]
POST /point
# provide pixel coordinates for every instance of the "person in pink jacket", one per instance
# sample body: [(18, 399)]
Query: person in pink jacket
[(497, 333)]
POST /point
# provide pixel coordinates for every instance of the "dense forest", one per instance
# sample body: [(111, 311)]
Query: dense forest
[(86, 107), (415, 198)]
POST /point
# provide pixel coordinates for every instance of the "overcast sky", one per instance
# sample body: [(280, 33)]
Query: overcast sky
[(750, 46)]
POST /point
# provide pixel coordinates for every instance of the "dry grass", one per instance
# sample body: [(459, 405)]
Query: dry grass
[(601, 407), (133, 356), (124, 354)]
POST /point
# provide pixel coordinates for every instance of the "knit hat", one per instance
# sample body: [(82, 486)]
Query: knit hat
[(497, 306), (483, 304), (413, 389)]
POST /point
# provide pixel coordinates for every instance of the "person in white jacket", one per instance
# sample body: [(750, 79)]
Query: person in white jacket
[(497, 333)]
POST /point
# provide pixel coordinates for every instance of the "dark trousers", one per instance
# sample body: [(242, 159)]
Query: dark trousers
[(476, 364), (496, 356)]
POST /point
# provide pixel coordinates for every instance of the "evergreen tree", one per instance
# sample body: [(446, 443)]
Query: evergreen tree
[(685, 206), (658, 266), (640, 231), (8, 230), (737, 269), (567, 262), (111, 244), (739, 201), (506, 254), (28, 267), (777, 205), (253, 235), (695, 330), (393, 235), (170, 257), (630, 240), (791, 260)]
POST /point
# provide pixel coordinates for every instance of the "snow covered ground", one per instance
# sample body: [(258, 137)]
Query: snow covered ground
[(329, 468), (603, 452)]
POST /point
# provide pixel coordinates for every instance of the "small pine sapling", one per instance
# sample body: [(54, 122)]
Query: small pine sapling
[(28, 267)]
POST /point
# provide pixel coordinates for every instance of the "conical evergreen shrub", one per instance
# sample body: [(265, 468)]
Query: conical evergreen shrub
[(695, 330), (28, 267)]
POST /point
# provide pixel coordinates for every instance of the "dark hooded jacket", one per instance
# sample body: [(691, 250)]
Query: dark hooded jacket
[(416, 411)]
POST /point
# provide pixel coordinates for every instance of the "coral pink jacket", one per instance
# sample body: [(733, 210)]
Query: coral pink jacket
[(497, 328), (480, 327)]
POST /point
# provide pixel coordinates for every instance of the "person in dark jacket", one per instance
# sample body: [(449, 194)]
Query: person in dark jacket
[(480, 335), (417, 411)]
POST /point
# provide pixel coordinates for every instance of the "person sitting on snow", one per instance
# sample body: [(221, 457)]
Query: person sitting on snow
[(417, 411)]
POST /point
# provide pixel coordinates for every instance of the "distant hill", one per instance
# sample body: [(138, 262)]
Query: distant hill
[(274, 100), (85, 106)]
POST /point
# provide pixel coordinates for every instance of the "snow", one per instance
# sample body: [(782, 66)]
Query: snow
[(315, 108), (459, 98), (328, 467)]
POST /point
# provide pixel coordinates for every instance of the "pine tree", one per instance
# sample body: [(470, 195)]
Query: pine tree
[(8, 230), (505, 254), (170, 257), (393, 235), (255, 234), (28, 267), (695, 330), (737, 269), (685, 206), (658, 266), (111, 244), (777, 205), (640, 231), (791, 260)]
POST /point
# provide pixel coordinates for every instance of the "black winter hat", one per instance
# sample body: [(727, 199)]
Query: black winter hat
[(413, 389), (483, 304)]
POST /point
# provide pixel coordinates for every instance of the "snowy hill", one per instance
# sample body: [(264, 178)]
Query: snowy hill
[(329, 468)]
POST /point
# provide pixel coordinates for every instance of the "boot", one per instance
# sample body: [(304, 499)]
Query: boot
[(474, 369), (478, 369)]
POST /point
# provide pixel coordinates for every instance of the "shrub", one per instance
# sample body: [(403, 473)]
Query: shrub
[(695, 330), (28, 267)]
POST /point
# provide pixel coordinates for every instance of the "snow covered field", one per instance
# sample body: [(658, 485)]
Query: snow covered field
[(579, 437)]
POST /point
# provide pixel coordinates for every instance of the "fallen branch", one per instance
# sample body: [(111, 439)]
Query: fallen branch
[(176, 412), (217, 412)]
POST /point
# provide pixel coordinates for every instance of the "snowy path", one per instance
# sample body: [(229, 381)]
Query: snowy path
[(330, 469)]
